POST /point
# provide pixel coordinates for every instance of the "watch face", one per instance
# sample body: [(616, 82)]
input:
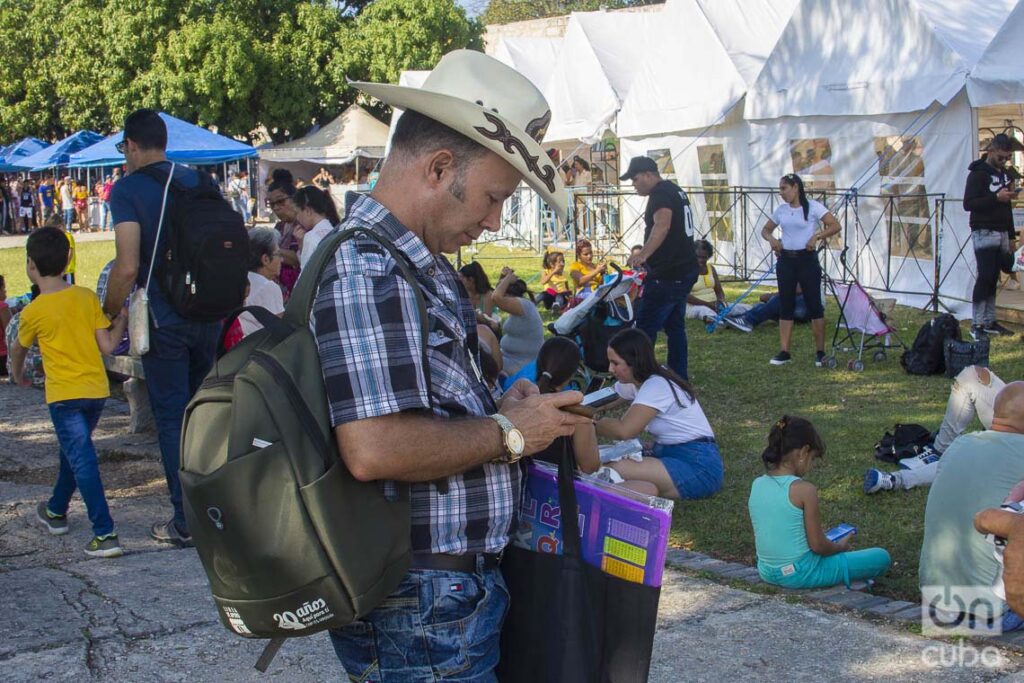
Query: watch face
[(515, 442)]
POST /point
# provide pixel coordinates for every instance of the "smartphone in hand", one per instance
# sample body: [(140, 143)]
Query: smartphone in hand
[(838, 533)]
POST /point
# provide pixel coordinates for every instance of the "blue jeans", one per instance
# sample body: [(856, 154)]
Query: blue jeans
[(74, 422), (770, 309), (662, 306), (106, 217), (69, 220), (179, 358), (695, 467), (437, 625)]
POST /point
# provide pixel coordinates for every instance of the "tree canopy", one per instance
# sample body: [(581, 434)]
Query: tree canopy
[(506, 11), (236, 64)]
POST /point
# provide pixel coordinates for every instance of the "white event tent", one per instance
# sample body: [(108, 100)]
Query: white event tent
[(686, 103), (530, 56), (600, 55), (846, 104)]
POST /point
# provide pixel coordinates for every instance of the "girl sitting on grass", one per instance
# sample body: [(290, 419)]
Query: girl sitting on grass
[(556, 363), (686, 463), (792, 550), (555, 282)]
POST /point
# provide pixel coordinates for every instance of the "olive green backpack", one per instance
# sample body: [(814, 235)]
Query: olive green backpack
[(291, 542)]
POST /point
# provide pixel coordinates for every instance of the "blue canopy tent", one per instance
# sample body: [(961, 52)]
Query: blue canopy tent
[(18, 151), (58, 153), (186, 143)]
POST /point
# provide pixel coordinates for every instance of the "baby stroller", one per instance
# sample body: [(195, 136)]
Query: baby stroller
[(594, 321), (862, 324)]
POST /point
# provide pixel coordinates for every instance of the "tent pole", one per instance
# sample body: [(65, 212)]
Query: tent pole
[(357, 170)]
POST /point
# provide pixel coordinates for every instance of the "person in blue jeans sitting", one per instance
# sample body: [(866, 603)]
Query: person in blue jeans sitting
[(685, 462), (769, 309), (792, 550), (181, 352)]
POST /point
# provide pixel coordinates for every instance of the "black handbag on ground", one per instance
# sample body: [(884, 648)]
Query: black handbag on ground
[(959, 354), (568, 621)]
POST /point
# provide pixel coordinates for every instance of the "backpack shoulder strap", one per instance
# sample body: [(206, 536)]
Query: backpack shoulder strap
[(160, 175), (300, 304)]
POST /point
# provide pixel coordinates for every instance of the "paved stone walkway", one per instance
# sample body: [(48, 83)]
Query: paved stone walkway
[(148, 616)]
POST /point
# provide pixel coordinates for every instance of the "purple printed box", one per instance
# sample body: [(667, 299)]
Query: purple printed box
[(623, 533)]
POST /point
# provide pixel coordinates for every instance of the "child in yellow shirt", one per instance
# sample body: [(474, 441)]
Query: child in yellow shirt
[(73, 332)]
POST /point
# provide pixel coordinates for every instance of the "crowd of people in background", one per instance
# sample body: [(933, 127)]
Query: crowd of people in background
[(27, 204)]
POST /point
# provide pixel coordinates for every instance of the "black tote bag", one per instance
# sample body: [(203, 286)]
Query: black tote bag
[(568, 621)]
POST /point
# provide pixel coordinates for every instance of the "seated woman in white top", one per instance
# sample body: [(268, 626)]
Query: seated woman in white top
[(317, 216), (707, 296), (264, 269), (522, 333), (685, 462)]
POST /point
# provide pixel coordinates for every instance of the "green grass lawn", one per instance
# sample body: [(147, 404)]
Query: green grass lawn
[(742, 396), (91, 258)]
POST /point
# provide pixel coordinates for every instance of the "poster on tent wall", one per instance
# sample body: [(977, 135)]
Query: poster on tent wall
[(812, 161), (901, 176), (714, 179)]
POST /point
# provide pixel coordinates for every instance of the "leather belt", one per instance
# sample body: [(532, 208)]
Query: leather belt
[(455, 563)]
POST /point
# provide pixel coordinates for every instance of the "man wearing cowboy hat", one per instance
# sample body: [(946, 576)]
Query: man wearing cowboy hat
[(467, 138)]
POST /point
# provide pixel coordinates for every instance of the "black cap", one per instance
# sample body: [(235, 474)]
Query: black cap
[(639, 165)]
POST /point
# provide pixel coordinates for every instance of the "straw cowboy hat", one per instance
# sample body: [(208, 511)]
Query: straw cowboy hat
[(491, 104)]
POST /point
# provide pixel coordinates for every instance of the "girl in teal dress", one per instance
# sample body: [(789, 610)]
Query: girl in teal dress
[(792, 550)]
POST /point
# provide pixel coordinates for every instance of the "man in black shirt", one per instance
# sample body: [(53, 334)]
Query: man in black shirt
[(987, 196), (668, 256)]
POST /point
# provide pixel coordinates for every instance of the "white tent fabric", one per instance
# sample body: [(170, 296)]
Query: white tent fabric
[(532, 57), (702, 60), (688, 80), (600, 56), (748, 29), (853, 77), (353, 134), (998, 76), (864, 57)]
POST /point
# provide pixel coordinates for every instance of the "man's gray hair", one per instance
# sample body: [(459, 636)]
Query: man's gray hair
[(262, 242)]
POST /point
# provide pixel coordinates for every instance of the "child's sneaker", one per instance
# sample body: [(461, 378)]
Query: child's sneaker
[(781, 358), (819, 359), (57, 524), (104, 546), (877, 480)]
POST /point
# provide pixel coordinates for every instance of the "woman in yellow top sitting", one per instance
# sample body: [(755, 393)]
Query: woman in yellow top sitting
[(707, 297), (585, 274), (554, 282)]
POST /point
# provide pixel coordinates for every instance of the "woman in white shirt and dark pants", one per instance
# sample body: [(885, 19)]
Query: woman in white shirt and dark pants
[(797, 261)]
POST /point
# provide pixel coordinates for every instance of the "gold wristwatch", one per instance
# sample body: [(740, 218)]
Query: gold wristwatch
[(511, 437)]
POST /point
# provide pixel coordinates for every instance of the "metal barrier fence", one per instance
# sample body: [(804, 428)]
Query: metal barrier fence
[(892, 243)]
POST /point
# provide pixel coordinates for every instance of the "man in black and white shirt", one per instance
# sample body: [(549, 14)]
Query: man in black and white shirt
[(668, 256)]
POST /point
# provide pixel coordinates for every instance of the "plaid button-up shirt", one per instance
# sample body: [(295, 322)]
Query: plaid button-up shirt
[(371, 352)]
